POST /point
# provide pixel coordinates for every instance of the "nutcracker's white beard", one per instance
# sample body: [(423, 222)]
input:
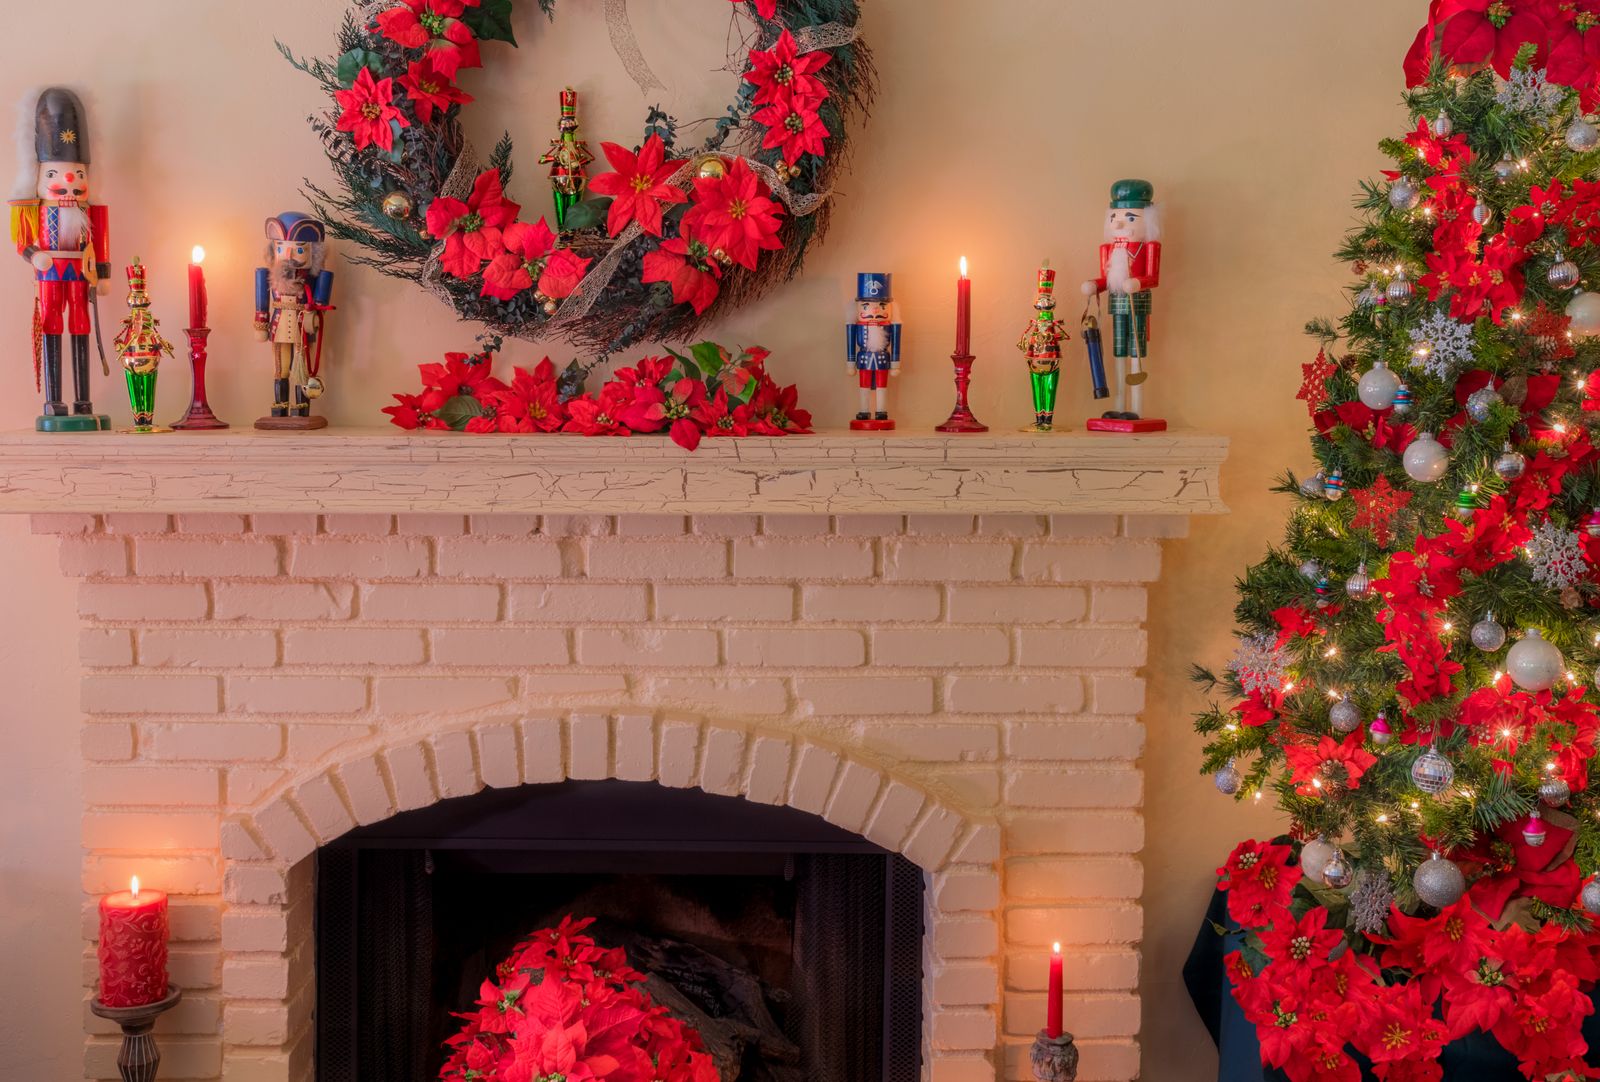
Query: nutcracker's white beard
[(74, 226), (1152, 226)]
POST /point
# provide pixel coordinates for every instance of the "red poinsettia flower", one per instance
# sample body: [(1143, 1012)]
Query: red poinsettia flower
[(1307, 941), (1399, 1026), (1575, 47), (688, 268), (793, 126), (780, 413), (599, 416), (533, 401), (715, 417), (639, 186), (1419, 58), (430, 89), (407, 413), (1490, 32), (732, 214), (1329, 764), (434, 25), (784, 71), (460, 374), (767, 9), (368, 112), (472, 230), (530, 257), (1259, 881)]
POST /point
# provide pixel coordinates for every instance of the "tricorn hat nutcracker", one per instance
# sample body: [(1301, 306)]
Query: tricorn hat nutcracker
[(293, 294)]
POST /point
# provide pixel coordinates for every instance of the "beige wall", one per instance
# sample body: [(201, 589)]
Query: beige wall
[(993, 138)]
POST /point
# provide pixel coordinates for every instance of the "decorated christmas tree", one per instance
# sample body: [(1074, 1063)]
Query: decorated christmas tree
[(1415, 682)]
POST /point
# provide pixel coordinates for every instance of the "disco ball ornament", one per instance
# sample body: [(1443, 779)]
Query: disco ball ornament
[(1333, 487), (1554, 790), (1487, 634), (1403, 194), (1511, 464), (1345, 716), (1311, 570), (1228, 779), (1482, 212), (1584, 311), (1533, 831), (1591, 523), (1400, 289), (1336, 873), (1377, 387), (1379, 730), (1481, 403), (1534, 663), (1359, 584), (1442, 125), (1505, 168), (1582, 135), (1563, 273), (1311, 486), (1314, 857), (1591, 896), (397, 205), (1402, 400), (1425, 458), (1432, 772), (1438, 882)]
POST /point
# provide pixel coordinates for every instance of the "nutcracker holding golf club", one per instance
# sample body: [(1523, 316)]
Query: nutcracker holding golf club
[(64, 238), (292, 297), (1130, 267)]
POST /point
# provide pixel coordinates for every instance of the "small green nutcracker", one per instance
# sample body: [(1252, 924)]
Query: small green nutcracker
[(568, 159), (140, 346), (1041, 344)]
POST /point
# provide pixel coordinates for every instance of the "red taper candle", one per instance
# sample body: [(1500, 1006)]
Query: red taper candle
[(197, 289), (963, 312), (133, 947), (1052, 1024)]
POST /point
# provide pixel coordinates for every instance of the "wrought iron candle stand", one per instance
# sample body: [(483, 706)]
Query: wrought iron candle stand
[(199, 417), (961, 418), (1055, 1059), (138, 1059)]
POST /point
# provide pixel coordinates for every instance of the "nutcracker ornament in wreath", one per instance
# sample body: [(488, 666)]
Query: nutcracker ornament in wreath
[(646, 249)]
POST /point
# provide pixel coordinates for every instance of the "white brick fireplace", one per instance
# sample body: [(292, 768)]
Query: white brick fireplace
[(940, 653)]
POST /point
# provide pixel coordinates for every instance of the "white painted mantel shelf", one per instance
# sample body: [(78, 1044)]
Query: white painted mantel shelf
[(835, 472)]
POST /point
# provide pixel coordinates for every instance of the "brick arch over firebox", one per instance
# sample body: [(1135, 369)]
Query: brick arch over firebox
[(267, 886)]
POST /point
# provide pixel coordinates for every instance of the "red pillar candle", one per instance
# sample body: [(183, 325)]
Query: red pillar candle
[(133, 947), (1052, 1024), (197, 289), (963, 312)]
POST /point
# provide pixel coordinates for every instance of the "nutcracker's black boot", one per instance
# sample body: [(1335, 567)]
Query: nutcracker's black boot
[(280, 398), (882, 415), (80, 375), (302, 404), (863, 416), (53, 405)]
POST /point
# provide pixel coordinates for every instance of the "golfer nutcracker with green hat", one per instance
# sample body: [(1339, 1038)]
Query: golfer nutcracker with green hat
[(1041, 344), (1130, 267)]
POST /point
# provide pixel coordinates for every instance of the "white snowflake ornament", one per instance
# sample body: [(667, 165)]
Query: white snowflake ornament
[(1440, 345), (1557, 556), (1259, 663)]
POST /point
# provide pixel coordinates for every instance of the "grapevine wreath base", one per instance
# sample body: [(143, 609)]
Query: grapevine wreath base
[(673, 235)]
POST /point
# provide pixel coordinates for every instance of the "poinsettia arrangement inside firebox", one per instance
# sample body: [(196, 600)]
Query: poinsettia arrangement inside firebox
[(708, 392), (562, 1007)]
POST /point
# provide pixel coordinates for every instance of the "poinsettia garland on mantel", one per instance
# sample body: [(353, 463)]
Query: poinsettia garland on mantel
[(671, 235), (708, 392), (562, 1008)]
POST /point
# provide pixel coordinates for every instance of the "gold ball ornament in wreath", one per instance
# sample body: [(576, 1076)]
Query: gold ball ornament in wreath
[(650, 247)]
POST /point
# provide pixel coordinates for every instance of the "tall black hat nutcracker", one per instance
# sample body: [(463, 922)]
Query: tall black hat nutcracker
[(64, 239)]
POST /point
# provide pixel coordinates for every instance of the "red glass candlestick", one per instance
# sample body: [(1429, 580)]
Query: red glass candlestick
[(961, 418), (199, 416)]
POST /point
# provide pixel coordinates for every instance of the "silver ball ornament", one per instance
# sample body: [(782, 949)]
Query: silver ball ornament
[(1505, 168), (1534, 663), (1554, 790), (1228, 779), (1511, 464), (1533, 832), (1371, 296), (1482, 212), (1345, 716), (1438, 882), (1336, 873), (1311, 486), (1403, 194), (1359, 584), (1425, 458), (1488, 635), (1432, 772), (1584, 311), (1400, 288), (1591, 896), (1481, 403), (1377, 387), (1582, 135), (1563, 273), (1442, 125), (1314, 857)]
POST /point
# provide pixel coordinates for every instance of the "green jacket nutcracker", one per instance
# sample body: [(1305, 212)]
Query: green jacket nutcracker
[(1041, 345), (1130, 268)]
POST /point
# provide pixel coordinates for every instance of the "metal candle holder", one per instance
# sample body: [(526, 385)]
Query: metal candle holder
[(961, 418), (138, 1059), (199, 416), (1055, 1059)]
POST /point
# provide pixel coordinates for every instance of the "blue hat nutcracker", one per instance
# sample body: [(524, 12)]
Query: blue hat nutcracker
[(293, 294), (872, 349)]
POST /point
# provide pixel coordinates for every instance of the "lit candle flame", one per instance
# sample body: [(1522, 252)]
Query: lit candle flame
[(133, 885), (198, 255), (963, 266), (1055, 948)]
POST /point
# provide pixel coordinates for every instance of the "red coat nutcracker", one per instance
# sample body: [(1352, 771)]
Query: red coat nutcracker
[(65, 240), (1130, 267)]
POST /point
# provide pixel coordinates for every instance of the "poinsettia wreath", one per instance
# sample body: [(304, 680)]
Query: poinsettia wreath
[(561, 1007), (671, 235)]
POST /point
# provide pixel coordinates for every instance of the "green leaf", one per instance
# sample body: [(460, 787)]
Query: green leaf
[(710, 356), (351, 63), (461, 409), (690, 369), (491, 21), (587, 214)]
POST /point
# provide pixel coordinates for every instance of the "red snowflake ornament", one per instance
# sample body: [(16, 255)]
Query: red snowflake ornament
[(1376, 508), (1314, 382)]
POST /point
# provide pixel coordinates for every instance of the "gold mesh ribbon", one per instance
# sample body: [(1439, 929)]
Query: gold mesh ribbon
[(627, 46)]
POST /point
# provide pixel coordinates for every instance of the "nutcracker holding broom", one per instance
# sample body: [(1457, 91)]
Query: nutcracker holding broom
[(64, 238), (1130, 267)]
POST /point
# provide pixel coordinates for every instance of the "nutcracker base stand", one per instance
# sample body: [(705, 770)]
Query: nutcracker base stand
[(961, 418), (872, 424), (139, 1058), (1055, 1059), (72, 422), (1123, 424), (291, 424)]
